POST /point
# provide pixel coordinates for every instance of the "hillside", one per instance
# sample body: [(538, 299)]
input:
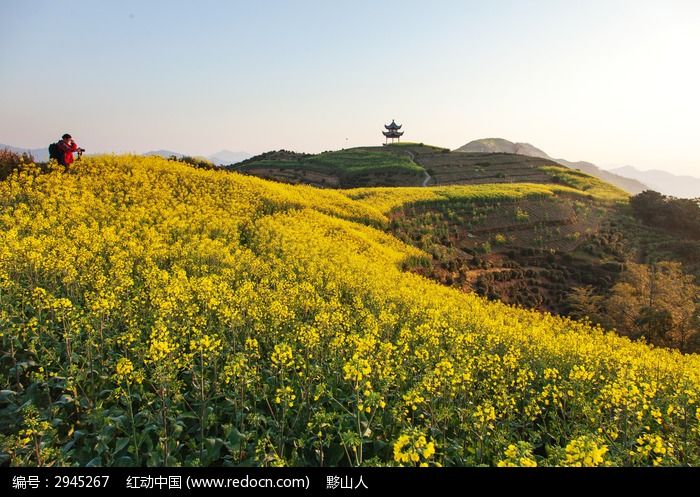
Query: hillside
[(154, 314), (531, 251), (414, 164), (499, 145), (362, 166), (461, 168), (539, 252)]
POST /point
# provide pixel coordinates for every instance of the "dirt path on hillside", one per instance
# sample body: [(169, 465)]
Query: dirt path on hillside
[(427, 178)]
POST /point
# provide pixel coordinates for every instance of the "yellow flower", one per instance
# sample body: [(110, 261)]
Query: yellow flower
[(141, 265), (285, 396), (652, 448), (124, 367), (282, 356), (205, 345), (585, 451), (235, 371), (518, 455), (124, 372), (357, 369), (413, 447)]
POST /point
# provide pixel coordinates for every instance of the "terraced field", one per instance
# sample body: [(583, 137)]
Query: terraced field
[(457, 168), (462, 168), (529, 252), (407, 164)]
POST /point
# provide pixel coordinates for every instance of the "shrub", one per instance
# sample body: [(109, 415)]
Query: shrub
[(11, 161)]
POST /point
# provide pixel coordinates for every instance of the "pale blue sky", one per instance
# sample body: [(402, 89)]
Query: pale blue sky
[(613, 82)]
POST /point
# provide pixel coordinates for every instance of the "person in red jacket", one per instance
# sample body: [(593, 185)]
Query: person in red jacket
[(68, 146)]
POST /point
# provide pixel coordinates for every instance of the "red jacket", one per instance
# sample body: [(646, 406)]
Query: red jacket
[(67, 151)]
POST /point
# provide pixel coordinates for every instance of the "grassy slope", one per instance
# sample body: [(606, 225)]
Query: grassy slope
[(352, 167), (585, 182), (142, 286), (388, 199)]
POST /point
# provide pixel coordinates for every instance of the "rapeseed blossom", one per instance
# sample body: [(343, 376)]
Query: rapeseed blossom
[(585, 451), (413, 448), (249, 322)]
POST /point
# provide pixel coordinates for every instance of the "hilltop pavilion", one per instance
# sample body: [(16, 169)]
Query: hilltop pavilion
[(392, 131)]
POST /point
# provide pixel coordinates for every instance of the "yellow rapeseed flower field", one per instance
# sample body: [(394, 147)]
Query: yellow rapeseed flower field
[(153, 313)]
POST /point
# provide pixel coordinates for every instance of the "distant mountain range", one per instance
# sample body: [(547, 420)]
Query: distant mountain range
[(224, 157), (221, 158), (163, 153), (663, 182), (39, 154), (496, 145)]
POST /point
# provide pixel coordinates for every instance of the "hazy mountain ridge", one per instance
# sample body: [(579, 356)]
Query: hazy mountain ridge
[(223, 157), (220, 158), (682, 186), (163, 153), (501, 145), (631, 185), (39, 154)]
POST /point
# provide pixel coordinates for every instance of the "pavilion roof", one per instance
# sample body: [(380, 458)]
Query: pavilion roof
[(392, 133), (392, 126)]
